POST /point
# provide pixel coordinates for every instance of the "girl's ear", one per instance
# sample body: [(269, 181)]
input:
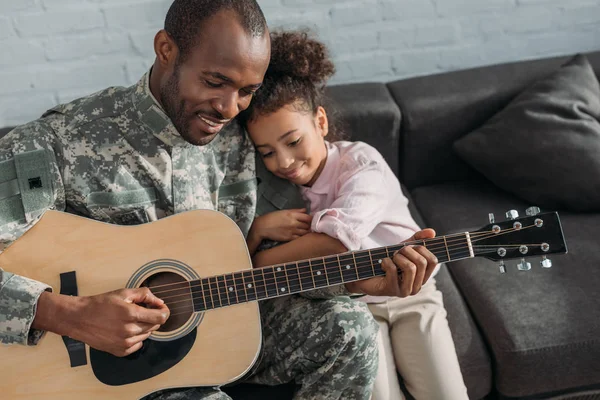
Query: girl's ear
[(322, 124)]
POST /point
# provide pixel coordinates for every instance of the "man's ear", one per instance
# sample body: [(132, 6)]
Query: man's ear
[(321, 120), (165, 49)]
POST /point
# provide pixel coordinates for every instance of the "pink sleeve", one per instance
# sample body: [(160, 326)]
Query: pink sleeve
[(361, 203)]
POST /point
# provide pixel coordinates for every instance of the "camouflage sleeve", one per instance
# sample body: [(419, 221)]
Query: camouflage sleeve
[(18, 301), (30, 184)]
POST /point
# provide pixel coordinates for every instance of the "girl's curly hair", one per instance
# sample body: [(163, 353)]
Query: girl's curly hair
[(298, 71)]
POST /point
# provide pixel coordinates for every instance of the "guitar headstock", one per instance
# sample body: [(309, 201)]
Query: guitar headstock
[(537, 234)]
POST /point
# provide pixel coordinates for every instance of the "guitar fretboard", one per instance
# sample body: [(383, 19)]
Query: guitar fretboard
[(296, 277)]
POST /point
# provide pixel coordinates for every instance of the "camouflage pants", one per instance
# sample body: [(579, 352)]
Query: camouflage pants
[(327, 347)]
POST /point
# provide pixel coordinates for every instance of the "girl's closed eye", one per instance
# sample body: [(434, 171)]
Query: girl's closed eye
[(295, 142), (265, 155)]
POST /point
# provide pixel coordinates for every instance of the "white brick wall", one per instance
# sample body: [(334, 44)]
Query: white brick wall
[(52, 51)]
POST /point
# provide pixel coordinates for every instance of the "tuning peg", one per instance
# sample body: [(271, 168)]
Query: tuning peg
[(502, 267), (523, 265), (512, 214), (531, 211), (546, 262), (492, 219)]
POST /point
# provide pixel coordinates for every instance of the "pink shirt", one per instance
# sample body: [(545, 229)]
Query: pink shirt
[(357, 199)]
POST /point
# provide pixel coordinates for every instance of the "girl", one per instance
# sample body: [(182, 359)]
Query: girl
[(353, 196)]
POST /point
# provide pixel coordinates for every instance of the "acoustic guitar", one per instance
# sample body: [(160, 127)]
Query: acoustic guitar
[(198, 263)]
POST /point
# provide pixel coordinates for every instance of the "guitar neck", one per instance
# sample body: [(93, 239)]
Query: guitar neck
[(316, 273)]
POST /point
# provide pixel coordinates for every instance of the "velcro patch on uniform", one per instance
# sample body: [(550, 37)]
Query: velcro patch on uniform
[(33, 174)]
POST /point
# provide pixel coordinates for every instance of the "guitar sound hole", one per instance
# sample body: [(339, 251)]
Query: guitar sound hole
[(175, 292)]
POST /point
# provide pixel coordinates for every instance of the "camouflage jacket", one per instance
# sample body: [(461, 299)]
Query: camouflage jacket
[(113, 156)]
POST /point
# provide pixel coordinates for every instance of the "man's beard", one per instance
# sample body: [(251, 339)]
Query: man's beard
[(169, 93)]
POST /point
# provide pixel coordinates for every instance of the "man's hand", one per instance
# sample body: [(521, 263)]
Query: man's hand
[(282, 226), (116, 322), (415, 263)]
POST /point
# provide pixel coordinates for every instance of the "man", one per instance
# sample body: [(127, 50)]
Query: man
[(163, 146)]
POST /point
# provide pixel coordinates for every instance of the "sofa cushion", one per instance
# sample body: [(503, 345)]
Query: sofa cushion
[(439, 109), (367, 112), (544, 145), (543, 325)]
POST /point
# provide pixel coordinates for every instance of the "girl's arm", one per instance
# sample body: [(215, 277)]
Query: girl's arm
[(308, 246)]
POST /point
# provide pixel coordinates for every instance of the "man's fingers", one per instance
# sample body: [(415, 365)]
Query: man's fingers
[(143, 295), (152, 316)]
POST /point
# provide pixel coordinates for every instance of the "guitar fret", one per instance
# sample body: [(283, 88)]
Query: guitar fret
[(318, 275), (341, 270), (209, 299), (299, 277), (372, 264), (446, 245), (240, 287), (259, 283), (249, 285), (280, 278), (306, 276), (269, 273), (348, 267), (197, 296), (222, 287), (293, 278), (332, 270)]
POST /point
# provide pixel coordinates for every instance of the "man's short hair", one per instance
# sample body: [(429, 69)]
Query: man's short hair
[(185, 17)]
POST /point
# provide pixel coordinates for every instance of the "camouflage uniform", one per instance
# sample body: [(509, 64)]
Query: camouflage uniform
[(115, 157)]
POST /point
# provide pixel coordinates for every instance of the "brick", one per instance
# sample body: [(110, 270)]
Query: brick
[(16, 52), (6, 28), (143, 42), (407, 9), (315, 20), (137, 15), (62, 21), (419, 35), (11, 6), (19, 109), (135, 69), (87, 45), (73, 77), (415, 62), (460, 8), (355, 14), (366, 65), (346, 41), (14, 81)]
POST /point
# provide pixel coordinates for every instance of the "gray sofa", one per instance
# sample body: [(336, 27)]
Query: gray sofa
[(525, 335)]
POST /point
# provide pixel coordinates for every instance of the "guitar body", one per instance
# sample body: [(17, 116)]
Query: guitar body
[(206, 349)]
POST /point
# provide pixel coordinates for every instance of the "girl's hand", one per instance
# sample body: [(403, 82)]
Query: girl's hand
[(283, 225)]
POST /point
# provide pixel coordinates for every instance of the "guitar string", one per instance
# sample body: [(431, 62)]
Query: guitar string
[(294, 287), (222, 286), (189, 307), (309, 273)]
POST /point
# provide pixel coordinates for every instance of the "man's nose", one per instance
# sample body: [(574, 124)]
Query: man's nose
[(227, 106)]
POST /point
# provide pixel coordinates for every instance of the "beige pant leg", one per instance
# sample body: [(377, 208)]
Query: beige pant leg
[(423, 347), (386, 385)]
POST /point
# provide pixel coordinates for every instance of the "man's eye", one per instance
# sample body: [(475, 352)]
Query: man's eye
[(213, 84), (248, 92)]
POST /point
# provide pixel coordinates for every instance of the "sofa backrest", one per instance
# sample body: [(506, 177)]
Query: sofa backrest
[(367, 112), (438, 109)]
